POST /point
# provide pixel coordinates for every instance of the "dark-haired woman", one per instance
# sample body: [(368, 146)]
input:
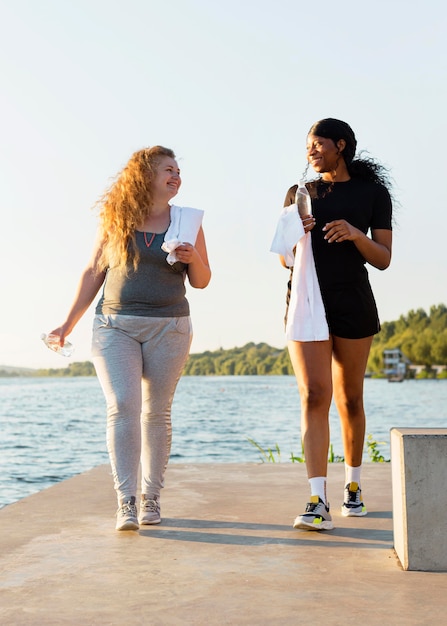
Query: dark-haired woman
[(350, 226)]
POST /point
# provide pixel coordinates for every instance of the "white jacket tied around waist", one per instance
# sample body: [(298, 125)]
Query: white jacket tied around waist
[(306, 318), (184, 227)]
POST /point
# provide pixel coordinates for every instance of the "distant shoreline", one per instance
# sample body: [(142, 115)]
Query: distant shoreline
[(420, 338)]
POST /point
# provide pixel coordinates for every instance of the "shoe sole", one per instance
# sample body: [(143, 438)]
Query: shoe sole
[(347, 513), (128, 526), (305, 526), (144, 522)]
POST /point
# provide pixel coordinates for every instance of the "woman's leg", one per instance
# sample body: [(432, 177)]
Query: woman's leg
[(118, 363), (165, 351), (312, 366), (349, 365), (350, 357)]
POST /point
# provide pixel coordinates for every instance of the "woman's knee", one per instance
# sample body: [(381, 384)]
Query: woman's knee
[(350, 405), (315, 396), (123, 406), (154, 419)]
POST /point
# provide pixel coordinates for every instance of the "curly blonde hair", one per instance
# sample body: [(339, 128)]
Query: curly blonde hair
[(125, 205)]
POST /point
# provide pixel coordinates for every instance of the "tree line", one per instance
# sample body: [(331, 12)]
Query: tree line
[(250, 360), (80, 368), (421, 336)]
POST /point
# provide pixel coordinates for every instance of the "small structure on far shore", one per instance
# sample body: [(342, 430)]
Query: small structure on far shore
[(396, 365), (433, 371)]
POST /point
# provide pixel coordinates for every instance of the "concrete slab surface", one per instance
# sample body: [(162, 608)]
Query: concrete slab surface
[(224, 554)]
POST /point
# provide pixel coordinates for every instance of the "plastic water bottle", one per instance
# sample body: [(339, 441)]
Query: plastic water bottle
[(302, 200), (52, 342)]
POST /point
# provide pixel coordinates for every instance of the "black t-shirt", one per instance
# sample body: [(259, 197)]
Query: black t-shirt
[(364, 204)]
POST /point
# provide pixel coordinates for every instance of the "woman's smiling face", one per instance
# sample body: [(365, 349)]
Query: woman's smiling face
[(323, 154), (167, 179)]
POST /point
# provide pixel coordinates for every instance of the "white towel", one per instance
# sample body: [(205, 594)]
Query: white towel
[(306, 317), (184, 227)]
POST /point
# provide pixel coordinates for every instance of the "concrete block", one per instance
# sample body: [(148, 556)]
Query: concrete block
[(419, 480)]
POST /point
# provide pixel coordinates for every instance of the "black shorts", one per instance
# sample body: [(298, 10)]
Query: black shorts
[(351, 310)]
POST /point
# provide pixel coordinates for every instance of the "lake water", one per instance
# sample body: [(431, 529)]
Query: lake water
[(54, 428)]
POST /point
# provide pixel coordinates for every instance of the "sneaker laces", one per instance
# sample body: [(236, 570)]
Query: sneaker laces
[(128, 507), (353, 497), (311, 506), (150, 505)]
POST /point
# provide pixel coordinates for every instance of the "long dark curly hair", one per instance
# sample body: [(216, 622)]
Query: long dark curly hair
[(360, 166)]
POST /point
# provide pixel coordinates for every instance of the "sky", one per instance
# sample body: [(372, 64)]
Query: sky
[(233, 88)]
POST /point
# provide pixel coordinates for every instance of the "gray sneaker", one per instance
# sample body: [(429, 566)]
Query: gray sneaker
[(126, 516), (316, 517), (149, 510), (353, 505)]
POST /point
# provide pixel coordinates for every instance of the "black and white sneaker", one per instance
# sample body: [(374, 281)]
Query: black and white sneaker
[(353, 505), (316, 517)]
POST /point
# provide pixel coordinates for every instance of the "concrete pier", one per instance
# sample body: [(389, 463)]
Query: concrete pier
[(225, 554)]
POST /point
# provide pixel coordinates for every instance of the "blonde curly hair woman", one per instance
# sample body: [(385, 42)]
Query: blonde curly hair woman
[(142, 329)]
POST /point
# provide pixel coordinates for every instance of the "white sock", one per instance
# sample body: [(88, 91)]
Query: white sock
[(352, 474), (318, 487)]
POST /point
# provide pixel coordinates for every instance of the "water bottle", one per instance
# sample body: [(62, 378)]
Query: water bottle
[(302, 200), (52, 342)]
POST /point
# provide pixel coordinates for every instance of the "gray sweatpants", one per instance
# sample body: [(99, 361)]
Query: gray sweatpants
[(139, 361)]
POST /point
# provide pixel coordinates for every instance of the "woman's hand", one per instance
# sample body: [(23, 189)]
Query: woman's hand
[(308, 222), (196, 257), (186, 253), (375, 250), (60, 332), (341, 230)]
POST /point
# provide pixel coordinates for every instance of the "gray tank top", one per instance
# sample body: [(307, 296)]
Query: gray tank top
[(156, 289)]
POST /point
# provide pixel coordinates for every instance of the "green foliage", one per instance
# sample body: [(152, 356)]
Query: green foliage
[(297, 459), (422, 338), (268, 456), (373, 450), (250, 360), (15, 372), (335, 458), (4, 373), (84, 368), (424, 375)]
